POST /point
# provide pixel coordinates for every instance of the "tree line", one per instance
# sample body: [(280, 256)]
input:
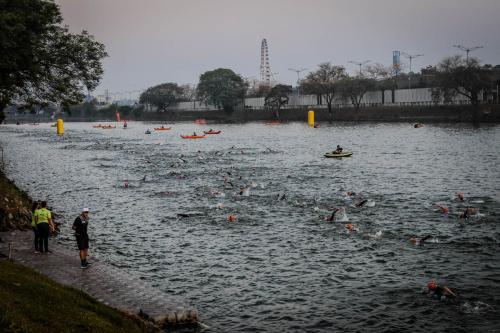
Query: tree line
[(42, 63), (226, 90)]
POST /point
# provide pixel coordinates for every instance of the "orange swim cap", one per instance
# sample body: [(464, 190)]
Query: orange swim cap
[(349, 226), (432, 285)]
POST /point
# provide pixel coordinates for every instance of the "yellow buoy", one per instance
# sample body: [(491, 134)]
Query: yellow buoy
[(60, 127), (310, 118)]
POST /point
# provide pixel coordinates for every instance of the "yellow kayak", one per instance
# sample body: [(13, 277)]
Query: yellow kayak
[(343, 154)]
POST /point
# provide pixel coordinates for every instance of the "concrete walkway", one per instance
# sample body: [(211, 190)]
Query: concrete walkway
[(108, 284)]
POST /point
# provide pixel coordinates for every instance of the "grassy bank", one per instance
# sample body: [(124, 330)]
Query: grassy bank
[(30, 302)]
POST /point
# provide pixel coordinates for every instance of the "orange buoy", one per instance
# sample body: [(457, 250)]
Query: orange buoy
[(232, 218)]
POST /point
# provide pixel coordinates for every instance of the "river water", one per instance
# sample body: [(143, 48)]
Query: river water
[(281, 267)]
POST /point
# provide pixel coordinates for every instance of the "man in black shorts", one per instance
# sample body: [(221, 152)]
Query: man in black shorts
[(82, 238)]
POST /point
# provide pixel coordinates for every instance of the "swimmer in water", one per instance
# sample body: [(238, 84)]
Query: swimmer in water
[(416, 241), (468, 212), (350, 194), (244, 190), (460, 196), (361, 203), (332, 217), (228, 181), (444, 209), (441, 292), (125, 184)]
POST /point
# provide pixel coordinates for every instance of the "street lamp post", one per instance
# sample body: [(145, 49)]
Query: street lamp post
[(467, 50), (298, 77), (360, 64), (497, 93), (411, 57)]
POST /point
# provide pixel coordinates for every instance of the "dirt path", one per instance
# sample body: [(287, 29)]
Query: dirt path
[(107, 284)]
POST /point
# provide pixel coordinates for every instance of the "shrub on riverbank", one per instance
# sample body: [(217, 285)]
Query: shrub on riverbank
[(30, 302), (15, 206)]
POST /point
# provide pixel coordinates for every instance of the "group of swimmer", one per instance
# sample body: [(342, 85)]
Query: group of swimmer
[(434, 290), (351, 196), (468, 212), (355, 200)]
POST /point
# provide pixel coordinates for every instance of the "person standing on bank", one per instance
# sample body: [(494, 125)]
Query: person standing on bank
[(82, 238), (43, 220), (34, 208)]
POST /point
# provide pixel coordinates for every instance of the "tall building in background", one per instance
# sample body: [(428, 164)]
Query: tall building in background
[(265, 69), (396, 62)]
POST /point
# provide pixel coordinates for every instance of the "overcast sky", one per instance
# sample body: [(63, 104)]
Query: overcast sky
[(155, 41)]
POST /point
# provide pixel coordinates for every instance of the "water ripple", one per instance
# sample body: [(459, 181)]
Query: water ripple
[(280, 266)]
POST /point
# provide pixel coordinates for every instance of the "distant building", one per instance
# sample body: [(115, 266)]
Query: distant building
[(396, 62), (102, 100), (125, 102)]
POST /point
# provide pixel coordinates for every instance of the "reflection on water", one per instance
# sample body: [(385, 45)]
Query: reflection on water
[(280, 266)]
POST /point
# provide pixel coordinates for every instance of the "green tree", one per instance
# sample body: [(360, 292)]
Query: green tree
[(456, 76), (324, 82), (384, 77), (277, 97), (41, 61), (163, 95), (354, 88), (222, 88), (188, 93)]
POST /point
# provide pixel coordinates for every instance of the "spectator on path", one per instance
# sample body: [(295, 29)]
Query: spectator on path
[(43, 220), (34, 207), (82, 238)]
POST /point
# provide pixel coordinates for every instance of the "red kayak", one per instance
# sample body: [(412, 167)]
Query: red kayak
[(192, 136), (163, 128), (274, 122), (211, 132)]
